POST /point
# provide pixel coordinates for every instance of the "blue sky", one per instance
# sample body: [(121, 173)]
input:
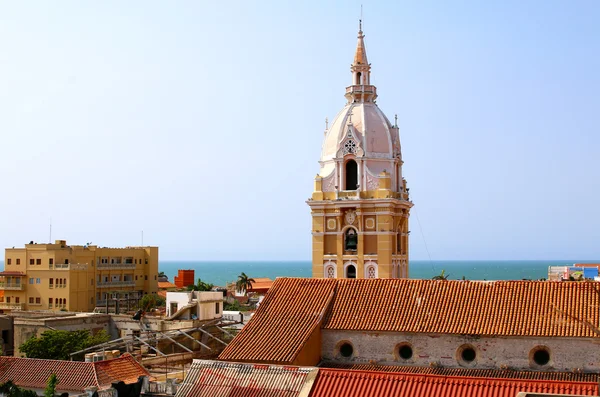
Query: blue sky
[(201, 123)]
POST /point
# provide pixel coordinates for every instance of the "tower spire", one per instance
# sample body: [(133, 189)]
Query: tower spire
[(361, 89)]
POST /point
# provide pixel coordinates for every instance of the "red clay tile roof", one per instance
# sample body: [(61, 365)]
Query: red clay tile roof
[(499, 308), (124, 368), (471, 373), (293, 308), (335, 382), (214, 378), (33, 373), (166, 284), (289, 314), (261, 284)]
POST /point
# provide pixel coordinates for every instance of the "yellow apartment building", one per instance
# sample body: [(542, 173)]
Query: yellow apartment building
[(74, 277)]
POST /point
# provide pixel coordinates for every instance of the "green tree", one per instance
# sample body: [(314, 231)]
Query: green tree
[(9, 389), (58, 344), (151, 301), (200, 286), (162, 274), (50, 389), (441, 276), (244, 283)]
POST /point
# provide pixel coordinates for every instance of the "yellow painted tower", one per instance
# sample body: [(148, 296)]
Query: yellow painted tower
[(360, 204)]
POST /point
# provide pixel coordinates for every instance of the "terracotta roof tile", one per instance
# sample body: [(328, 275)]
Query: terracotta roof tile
[(335, 382), (293, 308), (166, 284), (499, 308), (472, 373), (286, 318), (124, 368), (33, 373), (214, 378)]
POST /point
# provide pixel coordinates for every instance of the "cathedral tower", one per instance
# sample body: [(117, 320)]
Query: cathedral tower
[(360, 204)]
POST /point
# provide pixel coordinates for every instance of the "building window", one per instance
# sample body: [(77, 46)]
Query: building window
[(404, 351), (31, 261), (371, 272), (146, 261), (146, 277), (18, 261), (51, 283), (8, 261), (38, 300), (350, 240), (136, 278), (346, 349), (8, 299), (38, 281), (350, 271), (38, 261), (351, 175), (155, 276), (330, 272), (51, 261), (31, 300), (66, 261), (17, 300), (217, 307), (31, 280)]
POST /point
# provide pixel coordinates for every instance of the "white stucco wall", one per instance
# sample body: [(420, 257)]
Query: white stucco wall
[(566, 354), (181, 298)]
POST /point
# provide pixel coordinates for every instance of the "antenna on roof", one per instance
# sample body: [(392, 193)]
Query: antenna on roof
[(142, 238)]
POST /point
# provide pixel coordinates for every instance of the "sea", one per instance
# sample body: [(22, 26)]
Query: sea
[(222, 272)]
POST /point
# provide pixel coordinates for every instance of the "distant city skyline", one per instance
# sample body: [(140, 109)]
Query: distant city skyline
[(201, 124)]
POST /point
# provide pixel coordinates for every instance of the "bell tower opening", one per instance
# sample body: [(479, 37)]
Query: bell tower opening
[(358, 75), (350, 240), (350, 271), (351, 175)]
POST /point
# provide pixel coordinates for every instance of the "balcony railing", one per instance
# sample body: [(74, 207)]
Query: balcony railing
[(370, 89), (107, 266), (11, 306), (349, 194), (109, 284), (11, 286)]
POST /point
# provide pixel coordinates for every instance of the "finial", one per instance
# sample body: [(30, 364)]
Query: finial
[(396, 120), (326, 123), (360, 20)]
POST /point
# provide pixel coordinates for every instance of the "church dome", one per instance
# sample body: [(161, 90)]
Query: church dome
[(372, 130), (361, 131)]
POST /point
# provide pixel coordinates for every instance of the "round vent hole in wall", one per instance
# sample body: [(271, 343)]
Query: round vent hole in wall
[(541, 357), (346, 350), (405, 352), (468, 354)]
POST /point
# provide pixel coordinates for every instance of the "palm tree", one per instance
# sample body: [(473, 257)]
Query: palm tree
[(441, 276), (200, 286), (244, 283)]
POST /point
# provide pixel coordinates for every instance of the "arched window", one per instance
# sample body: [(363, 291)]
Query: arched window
[(350, 240), (358, 76), (330, 272), (371, 272), (350, 271), (351, 175), (399, 241)]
